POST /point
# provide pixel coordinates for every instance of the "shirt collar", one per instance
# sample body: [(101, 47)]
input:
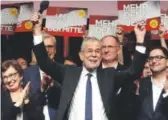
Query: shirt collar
[(85, 72), (162, 83), (103, 66)]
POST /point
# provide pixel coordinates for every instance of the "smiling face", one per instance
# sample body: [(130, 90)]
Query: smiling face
[(157, 61), (12, 79), (11, 75), (91, 54)]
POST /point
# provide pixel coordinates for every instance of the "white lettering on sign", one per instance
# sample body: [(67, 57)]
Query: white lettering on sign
[(64, 21), (7, 28), (68, 29), (134, 12)]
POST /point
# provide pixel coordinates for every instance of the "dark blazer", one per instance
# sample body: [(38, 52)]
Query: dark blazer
[(126, 99), (146, 103), (51, 97), (108, 80), (31, 111)]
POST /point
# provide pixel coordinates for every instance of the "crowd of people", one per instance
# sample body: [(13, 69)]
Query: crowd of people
[(105, 87)]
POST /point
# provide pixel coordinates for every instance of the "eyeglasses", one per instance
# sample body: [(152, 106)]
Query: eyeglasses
[(11, 76), (109, 47), (157, 58), (50, 46)]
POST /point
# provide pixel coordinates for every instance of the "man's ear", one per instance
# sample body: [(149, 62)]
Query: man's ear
[(81, 55)]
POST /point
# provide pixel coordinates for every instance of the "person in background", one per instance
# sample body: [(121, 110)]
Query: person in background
[(16, 101), (146, 71), (22, 62), (43, 82), (153, 91), (112, 57), (110, 52)]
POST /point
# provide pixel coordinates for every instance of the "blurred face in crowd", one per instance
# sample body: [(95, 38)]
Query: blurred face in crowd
[(12, 79), (23, 63), (50, 46), (146, 71), (157, 61), (91, 54), (110, 49)]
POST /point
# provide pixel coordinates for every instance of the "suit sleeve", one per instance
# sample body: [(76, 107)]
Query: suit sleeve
[(165, 107), (33, 109), (54, 95), (133, 72), (54, 69)]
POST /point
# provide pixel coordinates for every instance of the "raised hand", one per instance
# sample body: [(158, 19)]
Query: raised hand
[(46, 82), (140, 32), (120, 34), (161, 31), (36, 18), (23, 97)]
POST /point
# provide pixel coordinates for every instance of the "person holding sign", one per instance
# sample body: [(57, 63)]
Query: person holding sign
[(88, 93)]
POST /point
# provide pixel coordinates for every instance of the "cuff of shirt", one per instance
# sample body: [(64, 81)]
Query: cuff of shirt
[(165, 95), (38, 39), (141, 49)]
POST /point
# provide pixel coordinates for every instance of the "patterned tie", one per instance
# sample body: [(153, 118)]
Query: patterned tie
[(88, 102)]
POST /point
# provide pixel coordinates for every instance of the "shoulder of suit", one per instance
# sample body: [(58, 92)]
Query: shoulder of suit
[(145, 81), (31, 68), (121, 67)]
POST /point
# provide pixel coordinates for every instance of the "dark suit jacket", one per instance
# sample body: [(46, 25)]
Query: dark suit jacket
[(108, 80), (146, 103), (31, 111), (126, 100), (52, 95)]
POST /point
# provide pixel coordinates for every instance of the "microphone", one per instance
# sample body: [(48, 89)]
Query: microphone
[(43, 6)]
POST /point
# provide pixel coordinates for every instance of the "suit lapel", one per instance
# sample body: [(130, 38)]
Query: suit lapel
[(69, 87), (159, 101), (149, 102), (103, 87)]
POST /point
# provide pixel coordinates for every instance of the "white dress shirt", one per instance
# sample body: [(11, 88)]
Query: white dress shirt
[(156, 91), (77, 108), (45, 107)]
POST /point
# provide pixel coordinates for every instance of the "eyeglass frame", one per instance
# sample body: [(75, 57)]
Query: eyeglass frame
[(50, 46), (11, 76), (157, 58)]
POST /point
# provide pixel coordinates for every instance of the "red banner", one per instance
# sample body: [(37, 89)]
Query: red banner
[(63, 21), (164, 22)]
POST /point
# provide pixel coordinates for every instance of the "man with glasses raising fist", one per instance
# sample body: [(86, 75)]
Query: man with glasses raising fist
[(153, 90)]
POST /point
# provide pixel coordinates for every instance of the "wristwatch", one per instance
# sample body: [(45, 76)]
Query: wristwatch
[(140, 44)]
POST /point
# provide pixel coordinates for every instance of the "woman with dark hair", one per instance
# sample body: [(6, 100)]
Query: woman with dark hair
[(16, 101)]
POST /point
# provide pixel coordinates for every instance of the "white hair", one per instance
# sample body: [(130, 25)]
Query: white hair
[(46, 35), (88, 39)]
